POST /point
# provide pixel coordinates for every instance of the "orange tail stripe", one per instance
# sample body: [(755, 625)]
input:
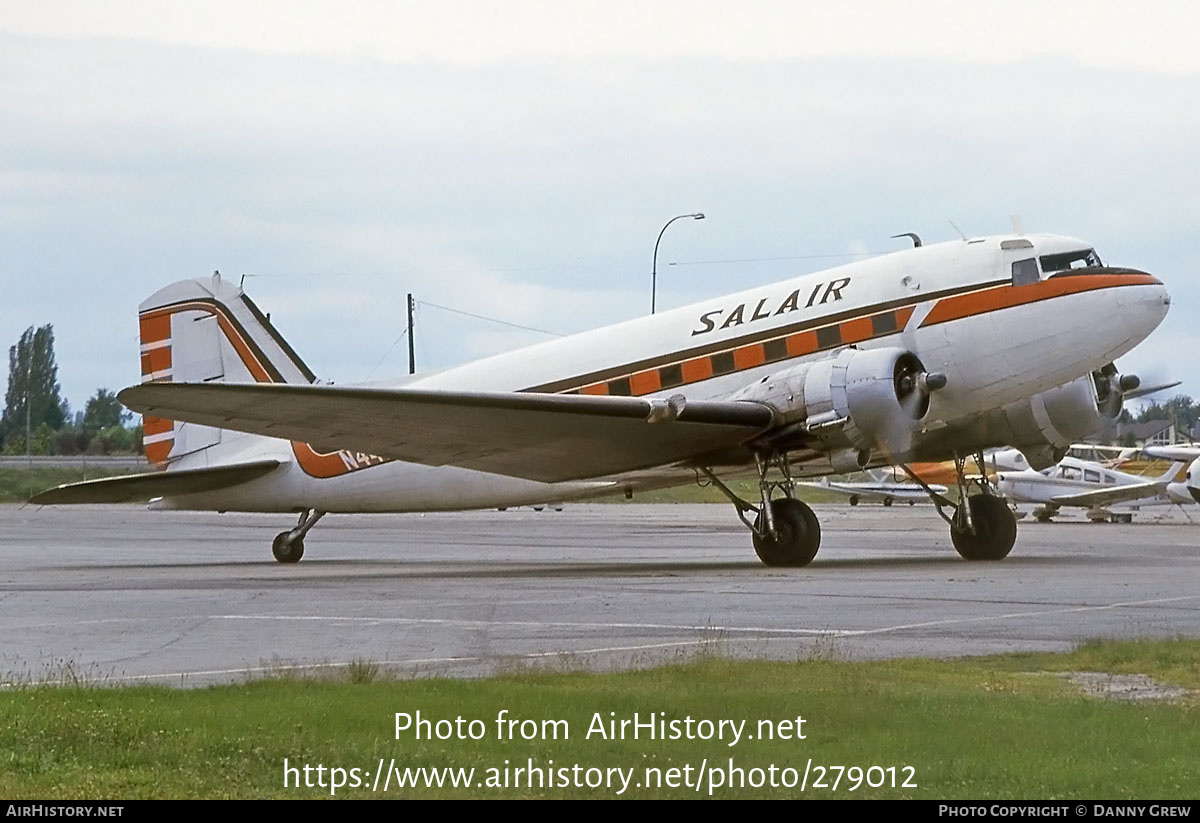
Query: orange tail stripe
[(157, 452), (154, 328), (156, 425), (156, 360)]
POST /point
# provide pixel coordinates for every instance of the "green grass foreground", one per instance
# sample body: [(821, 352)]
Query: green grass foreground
[(997, 727)]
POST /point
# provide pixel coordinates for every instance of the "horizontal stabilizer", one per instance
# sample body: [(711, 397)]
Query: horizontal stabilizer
[(545, 437), (132, 487)]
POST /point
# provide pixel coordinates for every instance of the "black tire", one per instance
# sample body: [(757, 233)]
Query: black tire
[(995, 530), (854, 500), (797, 535), (287, 551), (887, 501)]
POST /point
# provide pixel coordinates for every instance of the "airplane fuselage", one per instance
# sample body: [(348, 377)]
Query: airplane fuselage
[(959, 307)]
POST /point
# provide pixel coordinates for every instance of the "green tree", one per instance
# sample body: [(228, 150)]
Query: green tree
[(103, 411), (1180, 409), (33, 393)]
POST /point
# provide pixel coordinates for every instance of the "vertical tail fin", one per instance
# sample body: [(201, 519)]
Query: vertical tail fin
[(200, 331)]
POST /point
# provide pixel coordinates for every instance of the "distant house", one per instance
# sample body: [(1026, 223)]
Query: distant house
[(1150, 433)]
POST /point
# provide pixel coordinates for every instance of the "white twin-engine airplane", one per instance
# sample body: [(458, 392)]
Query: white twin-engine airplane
[(929, 353)]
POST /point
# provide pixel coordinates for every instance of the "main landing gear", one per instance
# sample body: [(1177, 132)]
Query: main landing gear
[(982, 526), (785, 530), (288, 547)]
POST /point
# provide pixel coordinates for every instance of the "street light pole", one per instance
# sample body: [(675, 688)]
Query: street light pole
[(654, 268)]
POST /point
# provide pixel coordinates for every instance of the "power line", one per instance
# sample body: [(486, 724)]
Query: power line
[(490, 319), (386, 353)]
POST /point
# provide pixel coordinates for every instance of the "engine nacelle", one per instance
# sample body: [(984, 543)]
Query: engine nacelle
[(853, 402), (1043, 426)]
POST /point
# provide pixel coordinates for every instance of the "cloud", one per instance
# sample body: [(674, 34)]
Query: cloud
[(531, 188)]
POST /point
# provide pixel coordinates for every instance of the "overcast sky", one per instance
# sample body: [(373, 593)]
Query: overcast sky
[(517, 159)]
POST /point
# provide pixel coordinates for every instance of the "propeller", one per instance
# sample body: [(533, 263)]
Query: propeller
[(913, 385), (1114, 388)]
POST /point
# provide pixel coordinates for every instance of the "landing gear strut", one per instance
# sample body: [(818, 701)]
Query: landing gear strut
[(288, 547), (982, 527), (785, 530)]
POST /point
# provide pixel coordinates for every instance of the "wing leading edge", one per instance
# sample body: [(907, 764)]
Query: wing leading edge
[(545, 437)]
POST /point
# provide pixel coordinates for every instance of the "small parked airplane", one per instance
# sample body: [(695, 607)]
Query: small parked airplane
[(1105, 492), (882, 486), (926, 354), (1190, 487)]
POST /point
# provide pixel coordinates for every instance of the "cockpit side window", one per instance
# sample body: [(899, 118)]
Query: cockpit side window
[(1024, 272), (1082, 259)]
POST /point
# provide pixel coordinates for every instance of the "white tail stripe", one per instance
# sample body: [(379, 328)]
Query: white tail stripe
[(158, 438), (157, 344), (156, 375)]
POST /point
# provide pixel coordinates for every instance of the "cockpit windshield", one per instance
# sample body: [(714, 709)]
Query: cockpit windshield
[(1082, 259)]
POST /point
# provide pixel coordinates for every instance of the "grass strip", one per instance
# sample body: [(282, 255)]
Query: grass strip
[(998, 727)]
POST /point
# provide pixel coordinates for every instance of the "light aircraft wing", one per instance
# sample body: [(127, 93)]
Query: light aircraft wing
[(546, 437), (141, 487), (1111, 495)]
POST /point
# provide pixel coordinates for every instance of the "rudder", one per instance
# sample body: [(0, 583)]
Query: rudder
[(203, 331)]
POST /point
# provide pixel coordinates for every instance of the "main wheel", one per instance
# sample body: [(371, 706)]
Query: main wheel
[(285, 550), (854, 500), (995, 530), (797, 535), (887, 501)]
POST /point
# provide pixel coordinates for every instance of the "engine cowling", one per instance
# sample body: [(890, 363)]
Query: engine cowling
[(854, 402), (1044, 425)]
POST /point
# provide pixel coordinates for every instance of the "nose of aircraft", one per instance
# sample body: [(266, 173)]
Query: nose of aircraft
[(1149, 299), (1142, 303)]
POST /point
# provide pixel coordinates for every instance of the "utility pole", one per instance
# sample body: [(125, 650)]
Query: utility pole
[(412, 355), (28, 439)]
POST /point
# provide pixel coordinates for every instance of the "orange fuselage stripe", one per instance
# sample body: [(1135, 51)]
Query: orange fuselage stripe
[(1007, 297)]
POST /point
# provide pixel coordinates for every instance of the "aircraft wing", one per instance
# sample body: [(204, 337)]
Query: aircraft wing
[(130, 487), (1111, 495), (546, 437)]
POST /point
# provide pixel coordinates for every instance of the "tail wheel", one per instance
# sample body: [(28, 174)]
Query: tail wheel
[(285, 550), (796, 538), (995, 530)]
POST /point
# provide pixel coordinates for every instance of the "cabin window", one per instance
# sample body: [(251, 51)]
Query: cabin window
[(1091, 476), (1024, 272), (1069, 473), (1108, 478), (1082, 259)]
